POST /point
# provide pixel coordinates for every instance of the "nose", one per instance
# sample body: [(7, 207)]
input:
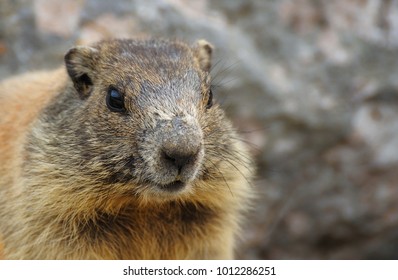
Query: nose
[(179, 159), (180, 147)]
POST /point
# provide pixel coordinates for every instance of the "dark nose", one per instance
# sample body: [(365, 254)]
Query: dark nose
[(180, 146), (179, 159)]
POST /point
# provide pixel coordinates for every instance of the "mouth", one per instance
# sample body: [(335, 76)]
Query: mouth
[(173, 186)]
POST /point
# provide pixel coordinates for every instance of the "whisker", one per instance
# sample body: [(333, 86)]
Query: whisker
[(243, 159), (223, 71), (222, 175), (231, 160), (235, 136)]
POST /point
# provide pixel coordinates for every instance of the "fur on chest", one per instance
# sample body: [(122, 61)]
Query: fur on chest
[(172, 231)]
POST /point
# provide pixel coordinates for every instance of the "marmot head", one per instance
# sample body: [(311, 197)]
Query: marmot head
[(144, 117)]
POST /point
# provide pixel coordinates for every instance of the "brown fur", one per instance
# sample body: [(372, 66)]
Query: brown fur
[(78, 181)]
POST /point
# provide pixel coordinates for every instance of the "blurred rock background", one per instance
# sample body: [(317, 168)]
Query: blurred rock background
[(311, 84)]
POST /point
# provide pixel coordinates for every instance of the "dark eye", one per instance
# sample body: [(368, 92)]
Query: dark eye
[(115, 100), (209, 100)]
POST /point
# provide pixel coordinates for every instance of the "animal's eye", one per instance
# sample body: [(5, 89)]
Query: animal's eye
[(115, 100), (209, 100)]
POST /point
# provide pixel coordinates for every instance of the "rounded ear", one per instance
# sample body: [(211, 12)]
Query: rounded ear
[(80, 63), (203, 52)]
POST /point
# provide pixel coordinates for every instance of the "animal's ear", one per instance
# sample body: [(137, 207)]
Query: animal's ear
[(80, 63), (203, 51)]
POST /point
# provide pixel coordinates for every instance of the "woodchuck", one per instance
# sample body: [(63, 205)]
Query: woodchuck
[(122, 154)]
